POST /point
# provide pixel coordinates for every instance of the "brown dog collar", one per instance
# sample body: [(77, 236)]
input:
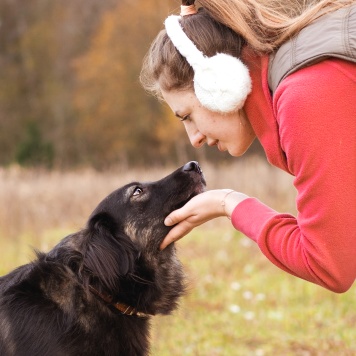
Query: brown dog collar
[(121, 307)]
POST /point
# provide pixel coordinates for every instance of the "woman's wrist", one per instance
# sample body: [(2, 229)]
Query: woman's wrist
[(230, 200)]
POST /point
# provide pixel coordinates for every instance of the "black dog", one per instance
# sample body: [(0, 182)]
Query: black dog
[(94, 293)]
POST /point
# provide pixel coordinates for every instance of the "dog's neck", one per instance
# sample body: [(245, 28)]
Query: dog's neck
[(121, 307)]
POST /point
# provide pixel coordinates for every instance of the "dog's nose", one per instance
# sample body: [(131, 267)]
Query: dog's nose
[(192, 166)]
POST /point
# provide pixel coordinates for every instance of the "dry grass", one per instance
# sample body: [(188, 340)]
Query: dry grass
[(34, 202)]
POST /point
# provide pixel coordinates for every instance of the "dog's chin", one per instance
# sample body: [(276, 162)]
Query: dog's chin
[(198, 190), (201, 188)]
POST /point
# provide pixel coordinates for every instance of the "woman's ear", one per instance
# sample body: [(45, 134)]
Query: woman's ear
[(221, 82)]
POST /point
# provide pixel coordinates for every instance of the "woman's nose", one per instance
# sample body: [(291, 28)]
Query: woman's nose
[(197, 139)]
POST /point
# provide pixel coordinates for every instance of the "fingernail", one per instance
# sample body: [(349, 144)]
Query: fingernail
[(168, 221)]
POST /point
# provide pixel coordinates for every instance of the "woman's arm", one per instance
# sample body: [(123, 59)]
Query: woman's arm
[(316, 112)]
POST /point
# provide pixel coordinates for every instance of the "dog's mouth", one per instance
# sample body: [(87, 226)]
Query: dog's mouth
[(197, 183), (197, 190), (185, 201)]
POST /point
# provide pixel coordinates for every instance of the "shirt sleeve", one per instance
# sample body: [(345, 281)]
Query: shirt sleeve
[(316, 113)]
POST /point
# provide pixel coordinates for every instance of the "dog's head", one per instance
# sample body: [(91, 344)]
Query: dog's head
[(138, 209), (125, 231)]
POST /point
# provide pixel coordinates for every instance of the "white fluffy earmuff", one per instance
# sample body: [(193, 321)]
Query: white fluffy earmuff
[(221, 82)]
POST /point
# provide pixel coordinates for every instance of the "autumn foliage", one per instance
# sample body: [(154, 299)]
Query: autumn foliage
[(69, 84)]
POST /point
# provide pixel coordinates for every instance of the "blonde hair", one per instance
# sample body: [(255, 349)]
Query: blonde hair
[(225, 26), (267, 24)]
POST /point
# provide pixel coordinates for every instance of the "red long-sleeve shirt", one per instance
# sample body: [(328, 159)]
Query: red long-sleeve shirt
[(308, 129)]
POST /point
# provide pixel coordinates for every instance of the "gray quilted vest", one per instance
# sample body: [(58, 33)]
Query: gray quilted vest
[(332, 35)]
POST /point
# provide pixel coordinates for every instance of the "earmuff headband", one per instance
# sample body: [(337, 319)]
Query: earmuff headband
[(181, 41), (221, 82)]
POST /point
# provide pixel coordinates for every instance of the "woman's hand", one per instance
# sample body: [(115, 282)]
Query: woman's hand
[(200, 209)]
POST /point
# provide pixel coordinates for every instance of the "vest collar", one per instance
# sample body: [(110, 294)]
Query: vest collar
[(259, 109)]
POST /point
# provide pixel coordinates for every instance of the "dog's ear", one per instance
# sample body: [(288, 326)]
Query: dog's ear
[(109, 254)]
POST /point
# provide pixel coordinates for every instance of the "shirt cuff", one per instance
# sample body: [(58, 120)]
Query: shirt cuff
[(250, 217)]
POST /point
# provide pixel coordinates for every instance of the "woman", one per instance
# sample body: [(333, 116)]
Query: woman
[(307, 128)]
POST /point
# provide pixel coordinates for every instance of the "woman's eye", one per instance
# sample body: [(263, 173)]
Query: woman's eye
[(137, 191), (186, 117)]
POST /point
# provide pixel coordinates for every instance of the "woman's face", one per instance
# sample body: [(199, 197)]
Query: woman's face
[(230, 132)]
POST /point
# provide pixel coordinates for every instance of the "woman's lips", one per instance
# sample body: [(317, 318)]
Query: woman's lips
[(218, 145), (220, 148)]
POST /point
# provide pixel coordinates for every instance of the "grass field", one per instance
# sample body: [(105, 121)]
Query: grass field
[(237, 303)]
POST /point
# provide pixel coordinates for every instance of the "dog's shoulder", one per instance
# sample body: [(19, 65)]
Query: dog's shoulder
[(15, 277), (44, 280)]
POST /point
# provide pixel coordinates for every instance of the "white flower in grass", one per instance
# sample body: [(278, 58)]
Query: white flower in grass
[(249, 315), (227, 237), (222, 255), (260, 297), (209, 278), (275, 315), (234, 309), (247, 295), (246, 242), (248, 269), (235, 286)]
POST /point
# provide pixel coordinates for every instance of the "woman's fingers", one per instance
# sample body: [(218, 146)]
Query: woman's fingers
[(176, 216), (177, 233), (200, 209)]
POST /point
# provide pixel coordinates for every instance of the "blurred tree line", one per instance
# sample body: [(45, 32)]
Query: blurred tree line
[(69, 88)]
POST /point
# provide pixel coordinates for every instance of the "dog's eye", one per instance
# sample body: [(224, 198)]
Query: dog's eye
[(137, 191)]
